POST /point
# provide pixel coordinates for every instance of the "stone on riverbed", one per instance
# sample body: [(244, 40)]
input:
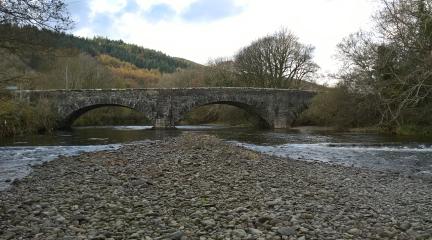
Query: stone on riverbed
[(286, 231), (199, 187)]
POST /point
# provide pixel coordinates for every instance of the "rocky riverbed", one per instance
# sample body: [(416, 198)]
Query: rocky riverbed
[(198, 187)]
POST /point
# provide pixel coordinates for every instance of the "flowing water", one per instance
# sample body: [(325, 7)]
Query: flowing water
[(406, 155)]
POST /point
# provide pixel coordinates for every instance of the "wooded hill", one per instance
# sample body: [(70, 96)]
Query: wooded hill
[(134, 54), (44, 59)]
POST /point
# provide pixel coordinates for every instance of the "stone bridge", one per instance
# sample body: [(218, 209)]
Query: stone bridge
[(276, 108)]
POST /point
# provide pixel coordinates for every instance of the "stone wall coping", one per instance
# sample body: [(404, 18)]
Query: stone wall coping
[(164, 89)]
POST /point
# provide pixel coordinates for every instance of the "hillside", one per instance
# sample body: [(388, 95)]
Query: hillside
[(30, 39), (43, 59), (136, 55)]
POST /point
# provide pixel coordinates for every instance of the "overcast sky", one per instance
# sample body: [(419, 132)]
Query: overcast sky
[(200, 30)]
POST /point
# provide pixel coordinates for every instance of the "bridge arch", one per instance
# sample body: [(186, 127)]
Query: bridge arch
[(263, 121), (70, 118)]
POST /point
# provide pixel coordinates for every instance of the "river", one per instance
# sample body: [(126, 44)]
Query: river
[(405, 155)]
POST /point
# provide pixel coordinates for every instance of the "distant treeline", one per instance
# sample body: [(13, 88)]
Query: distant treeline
[(32, 37)]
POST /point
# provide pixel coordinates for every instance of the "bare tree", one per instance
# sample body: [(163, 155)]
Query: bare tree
[(221, 73), (44, 14), (276, 61), (73, 72), (393, 63), (20, 24)]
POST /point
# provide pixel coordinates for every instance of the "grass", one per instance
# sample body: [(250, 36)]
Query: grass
[(414, 130)]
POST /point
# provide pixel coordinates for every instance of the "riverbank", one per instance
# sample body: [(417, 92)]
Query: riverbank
[(403, 131), (198, 186), (18, 118)]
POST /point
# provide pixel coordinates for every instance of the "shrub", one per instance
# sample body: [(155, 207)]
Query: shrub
[(21, 118), (340, 108)]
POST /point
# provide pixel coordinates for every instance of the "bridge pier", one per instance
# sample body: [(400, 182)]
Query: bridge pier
[(284, 121), (163, 123)]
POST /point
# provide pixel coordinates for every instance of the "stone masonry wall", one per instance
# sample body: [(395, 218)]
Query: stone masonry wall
[(277, 108)]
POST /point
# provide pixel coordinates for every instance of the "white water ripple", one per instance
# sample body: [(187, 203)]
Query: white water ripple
[(16, 162), (400, 158)]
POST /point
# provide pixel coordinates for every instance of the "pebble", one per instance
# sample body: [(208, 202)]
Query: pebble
[(198, 187), (255, 232), (239, 233), (286, 231), (177, 235), (354, 231)]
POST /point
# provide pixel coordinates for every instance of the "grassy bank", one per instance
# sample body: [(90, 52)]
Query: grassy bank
[(220, 114), (22, 118), (214, 114), (112, 116), (412, 130), (343, 110)]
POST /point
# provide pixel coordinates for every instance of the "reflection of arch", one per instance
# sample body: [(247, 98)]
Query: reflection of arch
[(262, 118), (74, 115)]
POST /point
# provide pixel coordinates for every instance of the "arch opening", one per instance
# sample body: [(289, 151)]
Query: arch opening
[(224, 113), (104, 115)]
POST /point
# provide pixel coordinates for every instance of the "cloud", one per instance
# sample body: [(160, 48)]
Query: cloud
[(107, 6), (80, 11), (94, 17), (160, 12), (199, 30), (210, 10), (102, 22), (131, 6)]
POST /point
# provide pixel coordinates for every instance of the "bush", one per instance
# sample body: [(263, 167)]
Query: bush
[(221, 113), (22, 118), (410, 130), (340, 108), (112, 116)]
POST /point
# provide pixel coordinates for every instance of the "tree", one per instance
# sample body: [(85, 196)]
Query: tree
[(22, 27), (394, 63), (72, 72), (24, 23), (275, 61), (221, 73), (43, 14)]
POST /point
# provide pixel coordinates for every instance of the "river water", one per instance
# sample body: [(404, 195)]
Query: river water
[(406, 155)]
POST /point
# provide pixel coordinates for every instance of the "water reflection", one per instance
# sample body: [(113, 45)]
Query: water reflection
[(91, 136)]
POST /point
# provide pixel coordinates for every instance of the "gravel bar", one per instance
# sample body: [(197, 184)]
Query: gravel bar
[(198, 187)]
